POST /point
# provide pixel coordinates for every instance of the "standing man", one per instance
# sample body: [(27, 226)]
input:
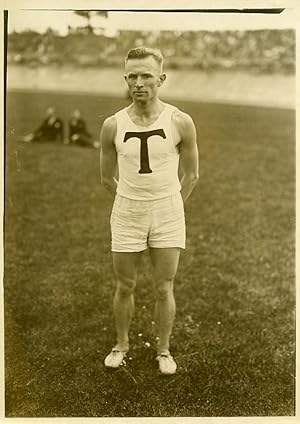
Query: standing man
[(145, 142)]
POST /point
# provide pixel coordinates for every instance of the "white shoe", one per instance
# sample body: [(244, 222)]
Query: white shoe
[(115, 358), (166, 363)]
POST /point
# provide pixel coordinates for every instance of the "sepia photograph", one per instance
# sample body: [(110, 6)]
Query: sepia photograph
[(149, 213)]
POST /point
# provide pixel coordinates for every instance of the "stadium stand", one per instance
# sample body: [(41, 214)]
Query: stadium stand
[(260, 51)]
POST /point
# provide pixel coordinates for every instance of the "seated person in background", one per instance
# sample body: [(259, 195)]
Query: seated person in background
[(78, 133), (51, 129)]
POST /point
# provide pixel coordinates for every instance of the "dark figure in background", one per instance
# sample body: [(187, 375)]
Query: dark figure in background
[(51, 129), (78, 133)]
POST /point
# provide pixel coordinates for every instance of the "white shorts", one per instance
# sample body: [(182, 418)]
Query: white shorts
[(138, 224)]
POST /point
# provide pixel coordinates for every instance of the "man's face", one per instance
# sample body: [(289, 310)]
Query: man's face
[(76, 114), (143, 77), (50, 112)]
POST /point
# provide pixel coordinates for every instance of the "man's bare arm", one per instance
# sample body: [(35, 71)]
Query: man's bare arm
[(189, 156), (108, 155)]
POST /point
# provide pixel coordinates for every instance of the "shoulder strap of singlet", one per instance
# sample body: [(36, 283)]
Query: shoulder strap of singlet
[(121, 114), (165, 120), (168, 111)]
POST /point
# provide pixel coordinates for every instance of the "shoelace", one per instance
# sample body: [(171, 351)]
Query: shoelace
[(165, 355)]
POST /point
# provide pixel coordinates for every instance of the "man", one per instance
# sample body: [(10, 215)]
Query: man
[(143, 143), (78, 133), (51, 129)]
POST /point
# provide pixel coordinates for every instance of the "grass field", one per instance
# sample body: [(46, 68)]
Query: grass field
[(234, 333)]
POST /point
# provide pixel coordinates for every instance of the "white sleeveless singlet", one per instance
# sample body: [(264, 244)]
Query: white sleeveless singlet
[(147, 157)]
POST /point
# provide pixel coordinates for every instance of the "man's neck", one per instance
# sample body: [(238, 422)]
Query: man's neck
[(148, 109)]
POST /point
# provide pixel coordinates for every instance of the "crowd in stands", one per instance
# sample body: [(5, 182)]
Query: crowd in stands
[(262, 51)]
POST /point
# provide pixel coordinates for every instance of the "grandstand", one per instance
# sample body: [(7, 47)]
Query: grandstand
[(259, 51)]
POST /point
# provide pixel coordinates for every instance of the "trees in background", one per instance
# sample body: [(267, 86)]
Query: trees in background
[(88, 14)]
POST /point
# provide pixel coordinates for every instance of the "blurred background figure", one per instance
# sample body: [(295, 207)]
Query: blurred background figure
[(78, 133), (51, 129)]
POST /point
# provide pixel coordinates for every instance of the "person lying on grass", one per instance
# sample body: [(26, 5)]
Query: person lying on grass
[(51, 129), (78, 132)]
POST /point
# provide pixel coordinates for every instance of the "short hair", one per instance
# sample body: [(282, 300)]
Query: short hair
[(142, 52), (50, 109)]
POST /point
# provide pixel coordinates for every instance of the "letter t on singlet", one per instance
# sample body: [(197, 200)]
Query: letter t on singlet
[(144, 155)]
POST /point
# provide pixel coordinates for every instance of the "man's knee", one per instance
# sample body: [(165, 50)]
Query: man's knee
[(125, 287), (164, 289)]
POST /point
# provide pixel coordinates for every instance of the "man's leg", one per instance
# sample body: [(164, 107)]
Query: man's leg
[(84, 140), (165, 263), (29, 138), (126, 267)]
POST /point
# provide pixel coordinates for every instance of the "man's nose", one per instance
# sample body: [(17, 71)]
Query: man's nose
[(139, 82)]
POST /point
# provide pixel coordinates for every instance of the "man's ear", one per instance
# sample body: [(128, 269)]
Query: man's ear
[(125, 77), (162, 79)]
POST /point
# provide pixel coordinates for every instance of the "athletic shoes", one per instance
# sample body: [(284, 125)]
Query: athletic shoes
[(115, 358), (166, 363)]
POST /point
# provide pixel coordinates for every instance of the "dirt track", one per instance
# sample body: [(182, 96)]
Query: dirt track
[(220, 86)]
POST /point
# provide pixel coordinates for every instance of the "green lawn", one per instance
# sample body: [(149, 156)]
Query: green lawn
[(234, 336)]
